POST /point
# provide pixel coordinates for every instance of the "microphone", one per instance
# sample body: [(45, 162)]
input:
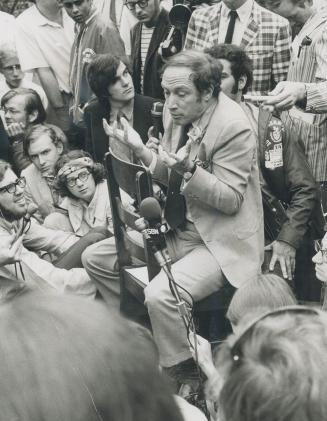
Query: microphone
[(156, 115), (31, 209), (150, 210), (154, 235)]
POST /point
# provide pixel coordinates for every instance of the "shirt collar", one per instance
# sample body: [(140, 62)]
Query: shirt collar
[(127, 110), (200, 125), (42, 20), (243, 12)]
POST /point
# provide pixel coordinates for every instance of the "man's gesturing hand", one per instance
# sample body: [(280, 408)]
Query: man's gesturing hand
[(180, 161), (285, 255), (11, 249), (285, 95)]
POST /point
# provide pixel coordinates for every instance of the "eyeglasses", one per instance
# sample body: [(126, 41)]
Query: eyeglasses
[(11, 69), (236, 350), (319, 247), (141, 3), (12, 187), (82, 176)]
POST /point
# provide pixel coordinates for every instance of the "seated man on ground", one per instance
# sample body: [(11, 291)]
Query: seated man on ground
[(31, 268), (264, 293), (276, 368), (208, 162), (288, 188), (14, 76), (43, 144), (111, 81), (81, 185), (22, 109)]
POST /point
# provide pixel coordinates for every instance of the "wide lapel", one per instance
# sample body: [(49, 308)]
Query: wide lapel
[(252, 27), (311, 25)]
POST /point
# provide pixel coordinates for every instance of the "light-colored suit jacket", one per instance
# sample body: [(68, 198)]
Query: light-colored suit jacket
[(223, 196), (267, 41)]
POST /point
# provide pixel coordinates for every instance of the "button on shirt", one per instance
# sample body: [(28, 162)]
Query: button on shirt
[(244, 13), (43, 43)]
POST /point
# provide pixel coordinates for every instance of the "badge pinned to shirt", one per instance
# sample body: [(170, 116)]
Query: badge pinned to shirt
[(274, 144)]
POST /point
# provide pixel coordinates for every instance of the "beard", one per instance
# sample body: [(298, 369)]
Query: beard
[(12, 215)]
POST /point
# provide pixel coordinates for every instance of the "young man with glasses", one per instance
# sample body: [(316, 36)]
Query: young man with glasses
[(85, 203), (151, 30), (276, 368), (31, 269)]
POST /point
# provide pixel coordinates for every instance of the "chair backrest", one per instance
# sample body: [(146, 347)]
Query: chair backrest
[(136, 181)]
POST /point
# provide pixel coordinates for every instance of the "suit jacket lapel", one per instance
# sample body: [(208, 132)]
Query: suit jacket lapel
[(157, 36), (252, 27), (317, 20)]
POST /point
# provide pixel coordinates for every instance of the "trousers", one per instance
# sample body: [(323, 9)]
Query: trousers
[(194, 268)]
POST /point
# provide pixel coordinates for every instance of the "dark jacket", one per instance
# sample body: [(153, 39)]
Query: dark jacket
[(291, 183), (153, 63), (97, 141)]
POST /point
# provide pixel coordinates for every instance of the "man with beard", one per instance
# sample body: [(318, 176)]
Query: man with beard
[(15, 220)]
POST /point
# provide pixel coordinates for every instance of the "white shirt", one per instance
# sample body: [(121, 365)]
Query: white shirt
[(43, 43), (7, 25), (244, 13)]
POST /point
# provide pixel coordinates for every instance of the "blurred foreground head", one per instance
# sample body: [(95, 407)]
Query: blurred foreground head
[(66, 358), (276, 370)]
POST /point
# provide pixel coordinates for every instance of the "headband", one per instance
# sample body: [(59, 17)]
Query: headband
[(74, 165)]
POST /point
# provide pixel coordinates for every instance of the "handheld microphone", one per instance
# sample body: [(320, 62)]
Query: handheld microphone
[(150, 210), (31, 209), (156, 115)]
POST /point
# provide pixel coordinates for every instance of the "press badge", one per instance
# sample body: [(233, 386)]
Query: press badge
[(274, 144)]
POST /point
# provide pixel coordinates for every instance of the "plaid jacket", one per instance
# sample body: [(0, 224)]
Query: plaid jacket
[(267, 41)]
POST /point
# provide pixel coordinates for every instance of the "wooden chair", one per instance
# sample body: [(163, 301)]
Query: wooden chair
[(137, 264)]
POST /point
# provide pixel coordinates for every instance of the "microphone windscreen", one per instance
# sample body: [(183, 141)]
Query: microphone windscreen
[(150, 209), (157, 109)]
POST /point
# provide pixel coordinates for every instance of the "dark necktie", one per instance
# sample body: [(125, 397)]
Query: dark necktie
[(231, 26), (112, 12), (175, 203)]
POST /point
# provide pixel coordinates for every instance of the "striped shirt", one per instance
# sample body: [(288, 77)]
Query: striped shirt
[(146, 36), (309, 64)]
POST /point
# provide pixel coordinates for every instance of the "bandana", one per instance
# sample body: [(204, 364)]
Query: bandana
[(74, 165)]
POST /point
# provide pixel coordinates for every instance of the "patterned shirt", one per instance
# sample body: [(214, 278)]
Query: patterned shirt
[(145, 42), (266, 39), (309, 64)]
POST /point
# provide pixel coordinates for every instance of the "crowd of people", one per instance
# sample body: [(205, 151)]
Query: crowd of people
[(240, 167)]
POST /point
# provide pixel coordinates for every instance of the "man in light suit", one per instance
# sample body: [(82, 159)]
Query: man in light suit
[(264, 35), (213, 201)]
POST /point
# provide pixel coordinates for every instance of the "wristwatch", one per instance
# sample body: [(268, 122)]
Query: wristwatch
[(189, 174)]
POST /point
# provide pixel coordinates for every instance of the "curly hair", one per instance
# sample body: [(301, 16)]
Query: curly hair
[(97, 171), (206, 72), (241, 64)]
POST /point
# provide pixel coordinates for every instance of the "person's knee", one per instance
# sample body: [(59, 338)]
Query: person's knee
[(88, 257), (157, 292)]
